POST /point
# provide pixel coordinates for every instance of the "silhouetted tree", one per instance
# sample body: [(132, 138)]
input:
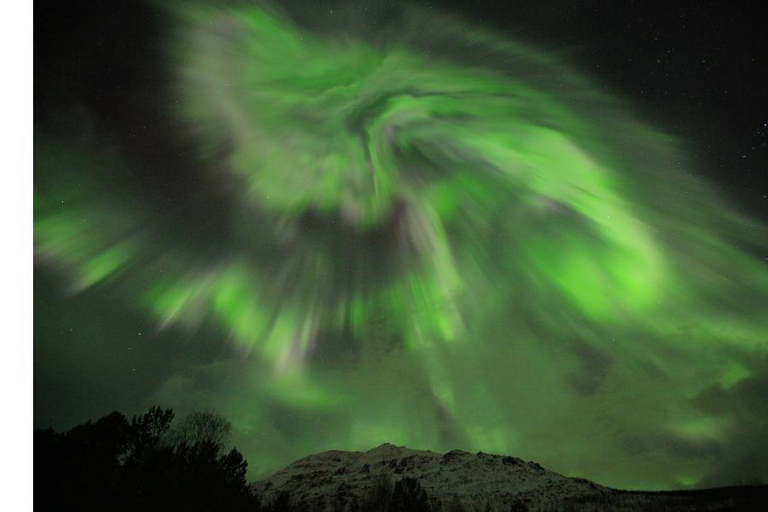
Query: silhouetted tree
[(489, 507), (408, 496), (454, 505), (379, 497), (282, 503), (120, 466), (339, 502), (79, 467), (203, 427), (149, 431), (518, 506)]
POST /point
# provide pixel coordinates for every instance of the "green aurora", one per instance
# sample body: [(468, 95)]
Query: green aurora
[(436, 238)]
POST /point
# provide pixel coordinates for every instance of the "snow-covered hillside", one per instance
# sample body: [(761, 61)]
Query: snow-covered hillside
[(457, 476)]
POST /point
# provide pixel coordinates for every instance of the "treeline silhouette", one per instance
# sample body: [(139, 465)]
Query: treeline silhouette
[(406, 495), (402, 495), (155, 463), (147, 463)]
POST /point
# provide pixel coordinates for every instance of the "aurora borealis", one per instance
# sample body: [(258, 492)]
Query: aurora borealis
[(418, 231)]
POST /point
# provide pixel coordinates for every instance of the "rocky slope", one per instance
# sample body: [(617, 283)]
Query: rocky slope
[(458, 480), (456, 476)]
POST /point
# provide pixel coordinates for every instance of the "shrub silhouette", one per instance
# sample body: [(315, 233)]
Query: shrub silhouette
[(406, 495)]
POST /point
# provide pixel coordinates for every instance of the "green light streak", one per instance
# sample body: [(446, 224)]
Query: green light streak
[(464, 231)]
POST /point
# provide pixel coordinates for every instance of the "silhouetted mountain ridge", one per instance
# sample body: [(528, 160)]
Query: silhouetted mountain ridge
[(458, 480)]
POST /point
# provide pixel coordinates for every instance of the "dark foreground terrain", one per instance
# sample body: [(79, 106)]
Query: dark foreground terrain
[(154, 462), (387, 476)]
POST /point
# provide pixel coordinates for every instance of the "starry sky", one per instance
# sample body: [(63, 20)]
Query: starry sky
[(537, 230)]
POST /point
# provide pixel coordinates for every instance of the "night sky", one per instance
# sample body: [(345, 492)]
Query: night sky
[(537, 230)]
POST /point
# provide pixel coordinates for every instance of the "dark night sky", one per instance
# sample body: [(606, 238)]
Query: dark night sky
[(695, 68), (692, 68)]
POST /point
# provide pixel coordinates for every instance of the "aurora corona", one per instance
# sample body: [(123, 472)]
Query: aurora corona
[(434, 237)]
